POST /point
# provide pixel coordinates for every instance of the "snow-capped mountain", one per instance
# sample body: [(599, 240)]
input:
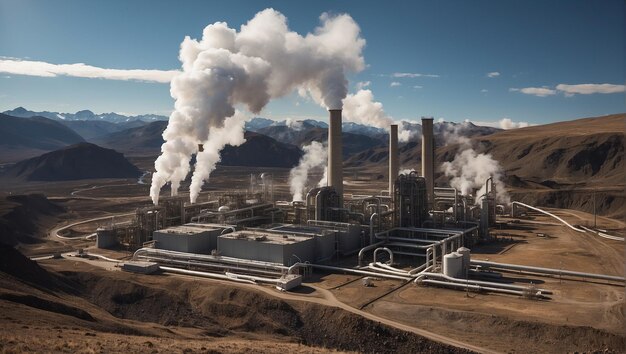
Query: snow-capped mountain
[(84, 115)]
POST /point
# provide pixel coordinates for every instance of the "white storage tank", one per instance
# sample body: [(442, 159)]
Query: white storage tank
[(453, 265), (465, 252)]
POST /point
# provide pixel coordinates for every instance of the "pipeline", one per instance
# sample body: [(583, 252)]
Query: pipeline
[(372, 236), (367, 248), (204, 274), (360, 272), (209, 265), (602, 234), (373, 267), (472, 287), (386, 250), (549, 214), (478, 282), (550, 271), (182, 256)]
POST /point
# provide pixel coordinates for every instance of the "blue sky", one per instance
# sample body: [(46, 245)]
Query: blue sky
[(535, 46)]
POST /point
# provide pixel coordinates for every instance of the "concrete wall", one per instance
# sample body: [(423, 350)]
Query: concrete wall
[(106, 239), (266, 251), (325, 246), (350, 241), (202, 242)]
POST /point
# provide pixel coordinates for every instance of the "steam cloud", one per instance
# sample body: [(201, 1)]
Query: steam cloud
[(469, 169), (249, 67), (361, 108), (315, 156)]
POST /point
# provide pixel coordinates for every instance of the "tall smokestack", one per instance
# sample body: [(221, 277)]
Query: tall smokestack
[(335, 158), (428, 158), (393, 156)]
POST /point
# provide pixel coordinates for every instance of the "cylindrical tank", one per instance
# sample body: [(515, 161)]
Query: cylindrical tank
[(453, 265), (465, 252), (105, 238)]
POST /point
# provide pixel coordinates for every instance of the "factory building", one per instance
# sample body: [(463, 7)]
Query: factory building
[(248, 236), (270, 247), (192, 238)]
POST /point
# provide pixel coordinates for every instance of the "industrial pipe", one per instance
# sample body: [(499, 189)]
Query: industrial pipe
[(549, 214), (203, 274), (386, 250), (472, 287), (481, 283), (360, 272), (367, 248), (540, 270)]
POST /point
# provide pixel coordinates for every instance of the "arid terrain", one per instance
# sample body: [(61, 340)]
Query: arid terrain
[(91, 306), (73, 304)]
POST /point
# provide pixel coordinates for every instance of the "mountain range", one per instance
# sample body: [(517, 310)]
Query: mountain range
[(84, 115), (79, 161)]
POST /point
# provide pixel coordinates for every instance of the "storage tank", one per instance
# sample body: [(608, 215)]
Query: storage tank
[(105, 238), (453, 265), (465, 252)]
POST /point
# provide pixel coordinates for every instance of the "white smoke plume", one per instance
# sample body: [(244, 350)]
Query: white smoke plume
[(324, 180), (315, 156), (405, 171), (249, 67), (469, 169), (361, 108)]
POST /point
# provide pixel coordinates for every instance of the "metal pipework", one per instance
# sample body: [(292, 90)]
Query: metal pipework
[(372, 237), (428, 159), (549, 214), (367, 248), (470, 286), (386, 250), (335, 157), (393, 156), (360, 272), (481, 283), (550, 271)]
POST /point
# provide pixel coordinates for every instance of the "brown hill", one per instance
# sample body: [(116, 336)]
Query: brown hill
[(80, 161), (555, 165), (23, 218)]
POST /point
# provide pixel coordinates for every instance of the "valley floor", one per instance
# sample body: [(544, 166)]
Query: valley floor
[(77, 306)]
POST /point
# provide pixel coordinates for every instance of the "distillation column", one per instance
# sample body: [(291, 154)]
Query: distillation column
[(393, 156), (335, 158), (428, 159)]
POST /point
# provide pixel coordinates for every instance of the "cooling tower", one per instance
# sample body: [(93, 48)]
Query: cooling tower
[(428, 158), (393, 156), (335, 158)]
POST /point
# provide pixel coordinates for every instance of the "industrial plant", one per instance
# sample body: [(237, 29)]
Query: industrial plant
[(414, 231)]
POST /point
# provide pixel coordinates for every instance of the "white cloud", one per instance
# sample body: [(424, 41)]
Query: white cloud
[(418, 87), (362, 84), (588, 89), (395, 83), (43, 69), (504, 123), (535, 91), (412, 75), (493, 74), (484, 90), (571, 90)]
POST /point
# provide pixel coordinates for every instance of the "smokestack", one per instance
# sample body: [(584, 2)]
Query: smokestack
[(428, 158), (393, 156), (335, 158)]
